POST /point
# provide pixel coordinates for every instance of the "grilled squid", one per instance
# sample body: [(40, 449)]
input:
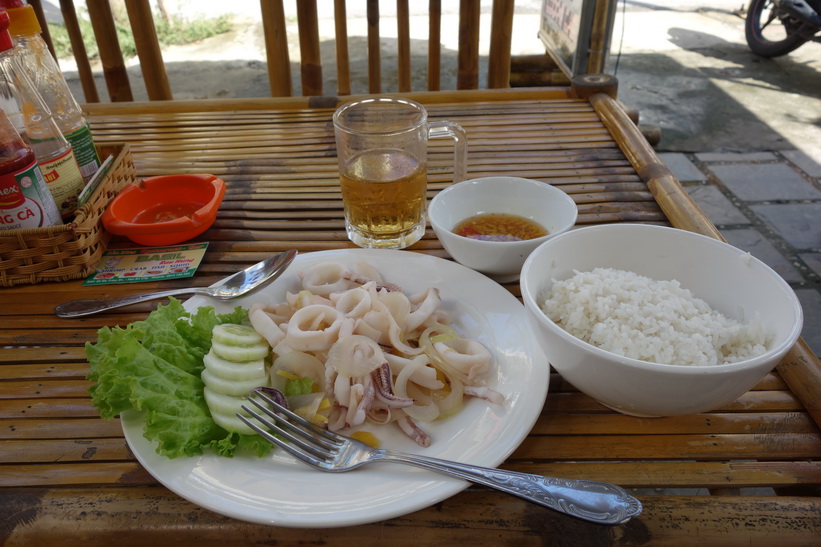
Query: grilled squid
[(264, 322), (353, 303), (313, 328), (372, 353), (468, 358), (355, 356)]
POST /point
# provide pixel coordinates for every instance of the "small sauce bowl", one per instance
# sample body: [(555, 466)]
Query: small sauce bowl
[(532, 199), (165, 210)]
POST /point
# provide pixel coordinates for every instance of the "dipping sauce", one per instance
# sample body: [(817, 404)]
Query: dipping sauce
[(499, 227)]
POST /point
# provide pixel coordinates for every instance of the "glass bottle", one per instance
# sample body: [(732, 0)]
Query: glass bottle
[(41, 67), (25, 201), (33, 121)]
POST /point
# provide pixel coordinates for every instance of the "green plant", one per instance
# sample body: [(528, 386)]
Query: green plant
[(172, 31), (179, 31)]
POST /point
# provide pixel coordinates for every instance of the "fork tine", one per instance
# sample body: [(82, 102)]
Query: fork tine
[(296, 436), (291, 449), (293, 417), (304, 428)]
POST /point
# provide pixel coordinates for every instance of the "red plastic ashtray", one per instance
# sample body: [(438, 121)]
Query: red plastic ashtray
[(165, 210)]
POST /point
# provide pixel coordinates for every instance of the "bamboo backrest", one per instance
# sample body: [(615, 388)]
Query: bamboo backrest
[(278, 53)]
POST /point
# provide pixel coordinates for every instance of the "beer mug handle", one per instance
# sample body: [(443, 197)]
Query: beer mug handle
[(460, 142)]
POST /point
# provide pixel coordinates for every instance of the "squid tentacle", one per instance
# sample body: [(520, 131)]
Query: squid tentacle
[(384, 390), (409, 428)]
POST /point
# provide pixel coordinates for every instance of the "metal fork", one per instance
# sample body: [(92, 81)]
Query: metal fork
[(594, 501)]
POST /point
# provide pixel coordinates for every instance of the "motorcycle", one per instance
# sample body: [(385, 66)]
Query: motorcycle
[(777, 27)]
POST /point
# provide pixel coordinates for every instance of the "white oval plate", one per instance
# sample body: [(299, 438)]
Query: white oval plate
[(278, 490)]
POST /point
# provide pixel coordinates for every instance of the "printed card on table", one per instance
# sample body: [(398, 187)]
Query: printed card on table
[(147, 264)]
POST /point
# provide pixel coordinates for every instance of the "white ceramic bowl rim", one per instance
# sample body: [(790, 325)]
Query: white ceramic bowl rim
[(687, 370)]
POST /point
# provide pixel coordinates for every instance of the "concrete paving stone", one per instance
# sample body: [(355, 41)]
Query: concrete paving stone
[(810, 300), (813, 261), (735, 156), (682, 167), (797, 223), (718, 208), (803, 161), (752, 241), (765, 182)]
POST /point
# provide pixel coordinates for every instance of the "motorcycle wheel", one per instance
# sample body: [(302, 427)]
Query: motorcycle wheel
[(770, 33)]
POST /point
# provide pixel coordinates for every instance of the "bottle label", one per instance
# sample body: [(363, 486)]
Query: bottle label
[(64, 180), (25, 201), (83, 145)]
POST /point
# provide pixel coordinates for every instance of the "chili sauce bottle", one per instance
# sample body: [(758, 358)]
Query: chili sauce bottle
[(33, 121), (42, 69), (25, 201)]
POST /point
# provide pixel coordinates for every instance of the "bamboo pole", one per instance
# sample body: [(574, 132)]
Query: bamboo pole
[(343, 66), (276, 48), (374, 48), (434, 44), (403, 46), (677, 204), (105, 32), (467, 518), (311, 59), (501, 34), (467, 76), (148, 50), (78, 47), (310, 103)]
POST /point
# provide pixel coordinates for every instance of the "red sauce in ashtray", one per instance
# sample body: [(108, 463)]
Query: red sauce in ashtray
[(499, 227)]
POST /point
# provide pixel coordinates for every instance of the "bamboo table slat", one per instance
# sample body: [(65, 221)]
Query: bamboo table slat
[(747, 473)]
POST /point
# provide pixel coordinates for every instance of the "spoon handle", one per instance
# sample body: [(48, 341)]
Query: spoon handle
[(78, 308)]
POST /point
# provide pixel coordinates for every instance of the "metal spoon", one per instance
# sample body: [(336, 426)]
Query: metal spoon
[(239, 284)]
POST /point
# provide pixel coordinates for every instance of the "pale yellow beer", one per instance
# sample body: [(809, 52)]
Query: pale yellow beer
[(381, 146), (384, 196)]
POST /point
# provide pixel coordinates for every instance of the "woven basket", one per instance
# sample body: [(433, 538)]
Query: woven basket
[(70, 251)]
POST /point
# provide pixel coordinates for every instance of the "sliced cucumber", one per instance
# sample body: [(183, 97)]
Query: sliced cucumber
[(233, 371), (241, 354), (223, 404), (231, 334), (235, 388), (231, 423), (234, 366)]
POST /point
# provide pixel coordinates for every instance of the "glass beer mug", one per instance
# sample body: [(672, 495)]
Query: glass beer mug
[(381, 144)]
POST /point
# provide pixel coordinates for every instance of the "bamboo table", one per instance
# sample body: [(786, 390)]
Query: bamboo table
[(69, 477)]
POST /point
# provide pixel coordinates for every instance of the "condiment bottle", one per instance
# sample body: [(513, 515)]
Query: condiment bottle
[(25, 201), (41, 67), (32, 119)]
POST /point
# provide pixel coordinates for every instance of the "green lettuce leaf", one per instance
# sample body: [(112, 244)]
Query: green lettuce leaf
[(154, 366)]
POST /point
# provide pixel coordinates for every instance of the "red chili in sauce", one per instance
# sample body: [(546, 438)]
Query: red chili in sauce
[(499, 227)]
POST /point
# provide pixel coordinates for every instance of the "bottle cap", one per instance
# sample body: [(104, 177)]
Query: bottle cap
[(5, 37), (23, 18)]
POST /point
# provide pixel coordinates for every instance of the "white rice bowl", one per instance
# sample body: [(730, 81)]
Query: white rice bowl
[(710, 364)]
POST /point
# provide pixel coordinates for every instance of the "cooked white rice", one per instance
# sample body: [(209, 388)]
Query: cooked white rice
[(658, 321)]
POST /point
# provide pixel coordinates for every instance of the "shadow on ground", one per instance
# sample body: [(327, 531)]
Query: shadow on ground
[(249, 77), (720, 96), (784, 74), (710, 94)]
